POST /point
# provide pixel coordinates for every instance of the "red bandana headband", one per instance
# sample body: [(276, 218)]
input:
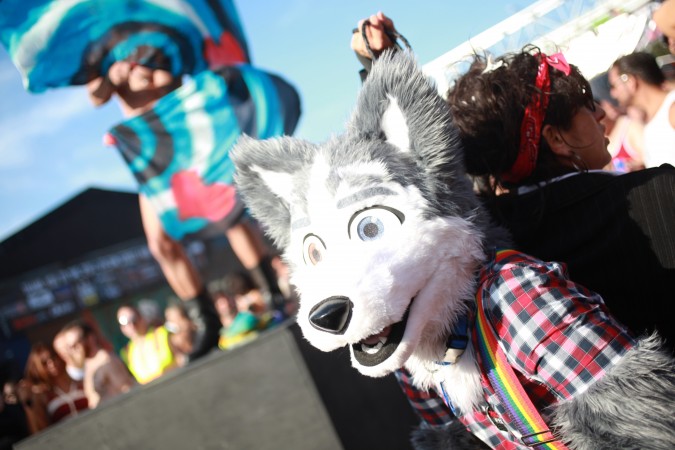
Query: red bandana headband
[(530, 127)]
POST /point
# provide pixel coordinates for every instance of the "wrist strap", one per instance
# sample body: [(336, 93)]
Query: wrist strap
[(393, 35)]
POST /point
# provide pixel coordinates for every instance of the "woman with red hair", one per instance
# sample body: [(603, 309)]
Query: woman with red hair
[(53, 395)]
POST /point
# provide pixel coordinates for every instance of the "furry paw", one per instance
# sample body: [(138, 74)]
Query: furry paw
[(633, 406)]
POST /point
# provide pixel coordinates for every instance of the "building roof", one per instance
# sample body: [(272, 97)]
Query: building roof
[(91, 220)]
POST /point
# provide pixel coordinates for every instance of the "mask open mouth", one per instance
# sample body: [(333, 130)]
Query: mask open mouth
[(375, 349)]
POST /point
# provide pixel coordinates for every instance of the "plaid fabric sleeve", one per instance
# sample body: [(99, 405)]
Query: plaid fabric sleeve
[(428, 405), (553, 330)]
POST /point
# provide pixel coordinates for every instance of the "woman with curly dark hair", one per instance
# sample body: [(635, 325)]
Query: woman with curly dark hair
[(535, 145), (540, 110), (534, 142)]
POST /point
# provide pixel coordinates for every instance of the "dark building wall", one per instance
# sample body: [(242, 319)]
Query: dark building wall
[(82, 260), (92, 220)]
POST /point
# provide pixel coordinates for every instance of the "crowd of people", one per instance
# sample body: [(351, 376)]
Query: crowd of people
[(536, 143), (79, 370)]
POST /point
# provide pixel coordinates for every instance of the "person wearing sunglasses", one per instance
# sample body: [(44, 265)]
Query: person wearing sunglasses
[(148, 354)]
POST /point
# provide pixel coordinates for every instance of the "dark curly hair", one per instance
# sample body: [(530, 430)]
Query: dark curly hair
[(488, 108)]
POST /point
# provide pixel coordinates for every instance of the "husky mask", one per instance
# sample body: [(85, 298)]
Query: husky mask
[(380, 226), (384, 238)]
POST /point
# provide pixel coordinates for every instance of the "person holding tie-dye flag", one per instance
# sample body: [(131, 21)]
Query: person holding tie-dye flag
[(182, 75)]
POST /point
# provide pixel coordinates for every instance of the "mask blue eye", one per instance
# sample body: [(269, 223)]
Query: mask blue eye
[(369, 228), (371, 224)]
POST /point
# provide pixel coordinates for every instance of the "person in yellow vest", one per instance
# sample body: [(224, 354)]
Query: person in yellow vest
[(148, 354)]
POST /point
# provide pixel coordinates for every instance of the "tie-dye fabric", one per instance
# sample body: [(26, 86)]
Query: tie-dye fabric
[(58, 43), (179, 150)]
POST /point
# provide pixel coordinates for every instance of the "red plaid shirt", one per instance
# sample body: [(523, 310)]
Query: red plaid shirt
[(557, 335)]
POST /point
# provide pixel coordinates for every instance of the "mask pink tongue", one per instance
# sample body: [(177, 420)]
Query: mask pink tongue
[(375, 338)]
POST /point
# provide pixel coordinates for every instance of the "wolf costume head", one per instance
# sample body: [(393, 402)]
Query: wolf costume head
[(384, 235), (380, 226)]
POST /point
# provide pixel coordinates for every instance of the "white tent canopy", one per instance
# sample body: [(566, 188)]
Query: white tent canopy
[(591, 34)]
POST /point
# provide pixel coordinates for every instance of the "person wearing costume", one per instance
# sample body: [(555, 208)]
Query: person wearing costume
[(612, 231), (614, 243), (395, 259)]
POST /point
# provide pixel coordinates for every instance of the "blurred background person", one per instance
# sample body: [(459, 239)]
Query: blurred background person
[(150, 310), (664, 18), (242, 309), (181, 332), (625, 129), (637, 80), (283, 278), (224, 303), (13, 420), (105, 375), (246, 293), (74, 371), (54, 395), (148, 354)]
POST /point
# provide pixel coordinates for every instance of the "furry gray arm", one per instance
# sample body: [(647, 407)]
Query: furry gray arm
[(632, 406)]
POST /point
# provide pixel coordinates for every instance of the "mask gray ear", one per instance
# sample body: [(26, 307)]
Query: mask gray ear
[(395, 126), (265, 173), (399, 104), (385, 103)]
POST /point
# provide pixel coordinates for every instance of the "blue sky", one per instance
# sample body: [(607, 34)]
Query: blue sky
[(51, 143)]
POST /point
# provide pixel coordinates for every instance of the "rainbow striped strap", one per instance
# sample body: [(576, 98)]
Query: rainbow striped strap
[(525, 417)]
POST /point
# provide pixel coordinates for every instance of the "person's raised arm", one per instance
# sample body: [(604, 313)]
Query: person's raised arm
[(377, 28)]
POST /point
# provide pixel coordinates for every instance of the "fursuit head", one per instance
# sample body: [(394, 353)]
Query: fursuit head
[(384, 237)]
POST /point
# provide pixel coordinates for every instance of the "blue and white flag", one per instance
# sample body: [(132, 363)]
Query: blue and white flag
[(57, 43), (179, 150)]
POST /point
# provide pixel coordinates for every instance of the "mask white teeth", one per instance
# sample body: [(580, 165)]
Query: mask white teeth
[(372, 349)]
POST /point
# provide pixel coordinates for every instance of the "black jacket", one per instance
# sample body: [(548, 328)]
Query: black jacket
[(616, 233)]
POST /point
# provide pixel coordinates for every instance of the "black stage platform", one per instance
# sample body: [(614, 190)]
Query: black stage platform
[(275, 393)]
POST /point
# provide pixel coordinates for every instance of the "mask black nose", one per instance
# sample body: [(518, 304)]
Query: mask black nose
[(332, 315)]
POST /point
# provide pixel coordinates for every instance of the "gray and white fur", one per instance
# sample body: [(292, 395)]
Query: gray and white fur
[(383, 235)]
